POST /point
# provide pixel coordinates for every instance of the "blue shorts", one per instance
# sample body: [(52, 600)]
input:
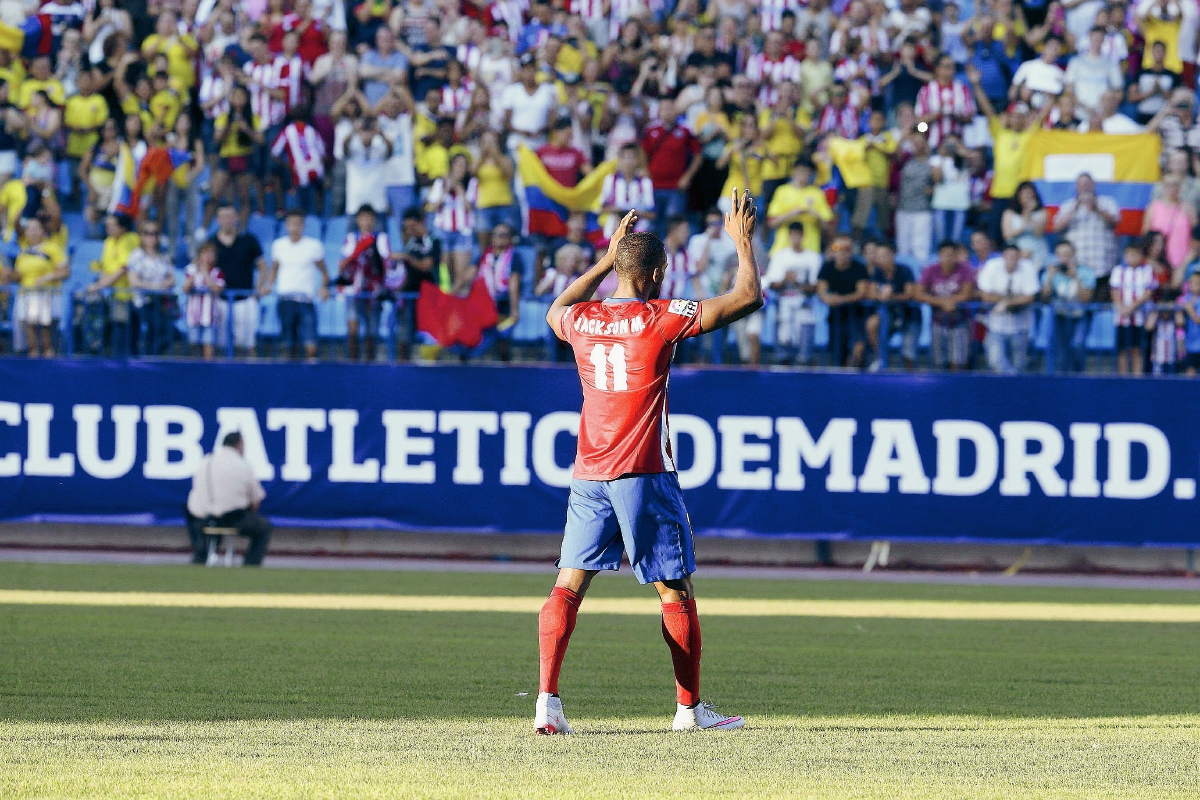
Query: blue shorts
[(642, 515)]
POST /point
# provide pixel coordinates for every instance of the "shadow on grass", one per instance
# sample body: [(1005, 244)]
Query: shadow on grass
[(87, 664)]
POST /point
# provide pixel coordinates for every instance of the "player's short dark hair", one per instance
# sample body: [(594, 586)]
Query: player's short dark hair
[(639, 254), (947, 243), (796, 226), (366, 208), (232, 439), (295, 212), (414, 213)]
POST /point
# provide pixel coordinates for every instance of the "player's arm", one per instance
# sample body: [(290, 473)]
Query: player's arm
[(745, 297), (583, 287)]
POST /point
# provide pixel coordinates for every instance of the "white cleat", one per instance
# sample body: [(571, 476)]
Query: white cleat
[(703, 717), (549, 718)]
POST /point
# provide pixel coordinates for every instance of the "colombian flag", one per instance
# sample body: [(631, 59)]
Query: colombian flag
[(157, 167), (34, 37), (1125, 168), (550, 203)]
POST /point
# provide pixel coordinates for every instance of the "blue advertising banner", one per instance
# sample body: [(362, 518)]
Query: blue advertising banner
[(487, 448)]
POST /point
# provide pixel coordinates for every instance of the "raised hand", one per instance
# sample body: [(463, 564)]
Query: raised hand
[(742, 219), (625, 226)]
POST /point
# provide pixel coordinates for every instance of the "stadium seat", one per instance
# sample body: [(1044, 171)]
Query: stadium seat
[(335, 231), (393, 231), (77, 227), (263, 228), (85, 253), (312, 227)]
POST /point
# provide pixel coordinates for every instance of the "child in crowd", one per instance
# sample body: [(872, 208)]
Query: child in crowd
[(680, 273), (1188, 318), (1131, 283), (203, 284), (1160, 326)]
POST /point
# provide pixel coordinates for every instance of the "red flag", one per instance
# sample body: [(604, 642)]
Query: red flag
[(455, 320)]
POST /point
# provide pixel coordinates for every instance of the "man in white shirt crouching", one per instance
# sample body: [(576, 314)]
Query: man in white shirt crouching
[(225, 494)]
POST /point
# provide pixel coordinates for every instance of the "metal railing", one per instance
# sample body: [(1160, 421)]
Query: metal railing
[(127, 323)]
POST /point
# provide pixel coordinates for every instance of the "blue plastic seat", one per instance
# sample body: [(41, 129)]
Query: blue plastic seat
[(312, 226), (264, 229)]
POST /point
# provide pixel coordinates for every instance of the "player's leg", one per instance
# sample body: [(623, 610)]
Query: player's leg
[(658, 537), (591, 542)]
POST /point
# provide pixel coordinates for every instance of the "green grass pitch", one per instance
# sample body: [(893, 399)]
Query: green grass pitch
[(244, 703)]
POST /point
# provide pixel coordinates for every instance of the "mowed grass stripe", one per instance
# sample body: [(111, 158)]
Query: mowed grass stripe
[(885, 609)]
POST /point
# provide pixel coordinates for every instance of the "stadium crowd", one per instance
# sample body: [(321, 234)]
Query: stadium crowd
[(320, 161)]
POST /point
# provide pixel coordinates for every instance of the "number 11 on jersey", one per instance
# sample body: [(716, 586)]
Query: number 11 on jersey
[(601, 361)]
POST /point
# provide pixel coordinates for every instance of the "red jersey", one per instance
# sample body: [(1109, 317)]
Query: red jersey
[(563, 163), (623, 351)]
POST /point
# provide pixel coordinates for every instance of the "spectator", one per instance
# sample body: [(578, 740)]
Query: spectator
[(565, 163), (710, 252), (1189, 305), (799, 201), (299, 277), (1010, 134), (892, 286), (1040, 80), (569, 263), (880, 148), (205, 314), (39, 270), (672, 158), (792, 275), (527, 107), (1069, 286), (182, 192), (989, 63), (238, 255), (500, 268), (151, 272), (945, 286), (235, 132), (301, 149), (119, 242), (225, 494), (907, 81), (1155, 83), (1132, 284), (1010, 283), (1090, 74), (1174, 219), (366, 254), (951, 198), (492, 189), (365, 152), (679, 277), (842, 284), (1108, 118), (743, 161), (914, 215), (454, 220), (944, 103), (382, 67), (1024, 224), (1089, 222), (628, 188)]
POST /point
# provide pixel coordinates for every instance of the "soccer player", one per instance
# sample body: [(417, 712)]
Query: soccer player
[(625, 494)]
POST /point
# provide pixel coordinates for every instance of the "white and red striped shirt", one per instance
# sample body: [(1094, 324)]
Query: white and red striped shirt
[(844, 123), (454, 208), (1128, 285), (861, 76), (291, 73), (627, 194), (496, 270), (590, 10), (947, 104), (771, 72), (456, 100), (678, 276), (263, 78), (511, 13), (468, 55), (203, 308), (305, 152), (873, 41), (770, 12)]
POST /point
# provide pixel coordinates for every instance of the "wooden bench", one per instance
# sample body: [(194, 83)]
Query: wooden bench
[(217, 536)]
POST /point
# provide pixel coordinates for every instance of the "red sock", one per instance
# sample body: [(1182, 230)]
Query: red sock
[(681, 629), (555, 624)]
